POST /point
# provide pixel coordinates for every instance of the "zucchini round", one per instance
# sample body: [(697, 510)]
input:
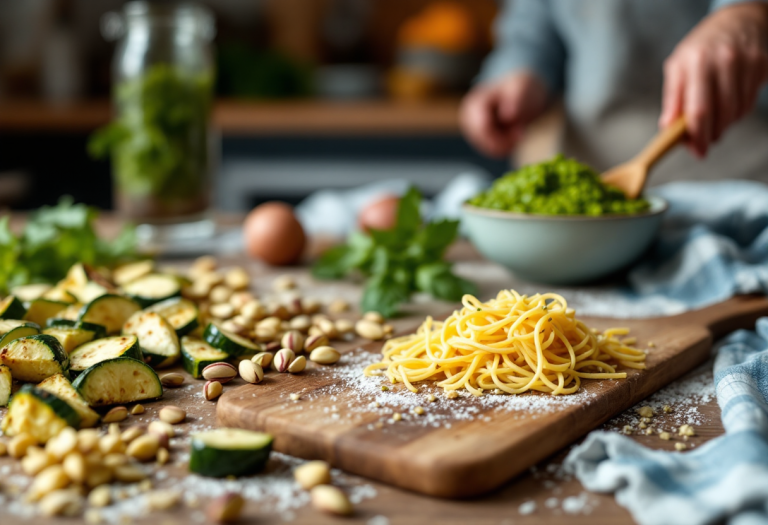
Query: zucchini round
[(118, 381), (61, 387), (40, 310), (197, 354), (35, 357), (110, 311), (181, 313), (30, 292), (98, 330), (228, 342), (158, 340), (153, 288), (87, 355), (130, 272), (6, 382), (38, 413), (12, 308), (229, 452), (11, 329)]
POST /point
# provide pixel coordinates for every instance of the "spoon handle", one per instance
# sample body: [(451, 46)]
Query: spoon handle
[(662, 142)]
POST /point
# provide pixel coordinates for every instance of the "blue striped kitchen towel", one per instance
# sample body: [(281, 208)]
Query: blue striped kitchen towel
[(724, 480)]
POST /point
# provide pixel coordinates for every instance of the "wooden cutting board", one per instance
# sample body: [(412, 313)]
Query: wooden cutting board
[(467, 458)]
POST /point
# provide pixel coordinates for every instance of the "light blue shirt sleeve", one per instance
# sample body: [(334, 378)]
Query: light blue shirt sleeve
[(526, 38), (717, 4)]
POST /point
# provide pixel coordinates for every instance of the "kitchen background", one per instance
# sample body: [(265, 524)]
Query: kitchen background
[(310, 94)]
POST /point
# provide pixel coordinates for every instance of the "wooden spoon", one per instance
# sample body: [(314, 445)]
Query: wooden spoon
[(630, 177)]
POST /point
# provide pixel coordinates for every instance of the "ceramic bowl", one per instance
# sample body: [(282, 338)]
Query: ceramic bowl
[(563, 250)]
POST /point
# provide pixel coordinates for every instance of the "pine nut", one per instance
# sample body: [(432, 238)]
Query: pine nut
[(312, 474), (100, 496), (328, 327), (111, 443), (62, 444), (87, 440), (314, 331), (172, 414), (162, 499), (310, 305), (240, 299), (162, 456), (74, 467), (49, 479), (338, 306), (161, 428), (221, 372), (235, 328), (315, 341), (330, 499), (374, 317), (225, 508), (129, 474), (369, 330), (114, 460), (301, 323), (144, 447), (137, 409), (263, 359), (98, 475), (278, 311), (64, 502), (33, 464), (201, 265), (283, 359), (253, 310), (18, 445), (293, 340), (645, 411), (284, 282), (212, 390), (251, 372), (243, 321), (298, 365), (132, 433), (237, 278), (221, 294), (325, 355), (172, 380), (344, 326), (115, 415)]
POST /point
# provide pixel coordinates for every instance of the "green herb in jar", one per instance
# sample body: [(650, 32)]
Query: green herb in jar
[(159, 139), (557, 187)]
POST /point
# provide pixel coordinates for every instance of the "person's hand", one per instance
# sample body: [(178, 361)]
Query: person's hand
[(494, 116), (715, 73)]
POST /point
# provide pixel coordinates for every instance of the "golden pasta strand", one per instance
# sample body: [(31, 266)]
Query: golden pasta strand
[(513, 344)]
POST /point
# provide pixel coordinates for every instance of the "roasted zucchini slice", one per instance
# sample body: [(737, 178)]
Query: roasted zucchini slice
[(158, 340), (12, 308), (61, 387), (153, 288), (11, 329), (110, 311), (127, 273), (87, 355), (118, 381), (228, 342), (35, 357), (229, 452), (197, 354), (40, 310), (38, 413), (181, 313), (6, 382), (30, 292)]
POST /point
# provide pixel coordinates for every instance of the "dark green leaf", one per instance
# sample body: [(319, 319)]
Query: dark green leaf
[(438, 280), (384, 294), (409, 213)]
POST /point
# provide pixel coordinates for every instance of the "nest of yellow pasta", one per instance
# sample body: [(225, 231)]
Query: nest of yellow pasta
[(511, 344)]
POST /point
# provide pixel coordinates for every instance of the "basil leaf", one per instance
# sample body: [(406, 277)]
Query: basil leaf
[(438, 280), (384, 294)]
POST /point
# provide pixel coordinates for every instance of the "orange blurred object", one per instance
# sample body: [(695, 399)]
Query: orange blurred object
[(380, 214), (447, 26), (273, 234)]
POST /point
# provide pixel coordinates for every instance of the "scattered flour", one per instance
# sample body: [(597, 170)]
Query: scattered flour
[(529, 507)]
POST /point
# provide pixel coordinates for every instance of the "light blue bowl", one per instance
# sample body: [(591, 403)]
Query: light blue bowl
[(558, 249)]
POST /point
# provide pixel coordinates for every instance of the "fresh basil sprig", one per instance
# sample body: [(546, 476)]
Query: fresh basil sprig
[(399, 261)]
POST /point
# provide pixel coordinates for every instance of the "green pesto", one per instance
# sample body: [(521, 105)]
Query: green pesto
[(557, 187)]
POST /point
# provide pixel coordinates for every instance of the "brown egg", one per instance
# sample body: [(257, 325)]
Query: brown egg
[(380, 214), (273, 234)]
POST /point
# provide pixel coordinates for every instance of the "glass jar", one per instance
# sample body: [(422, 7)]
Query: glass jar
[(159, 140)]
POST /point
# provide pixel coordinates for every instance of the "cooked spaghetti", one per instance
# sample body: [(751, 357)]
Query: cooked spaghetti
[(511, 344)]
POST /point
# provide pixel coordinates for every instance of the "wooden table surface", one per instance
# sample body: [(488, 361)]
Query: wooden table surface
[(557, 497)]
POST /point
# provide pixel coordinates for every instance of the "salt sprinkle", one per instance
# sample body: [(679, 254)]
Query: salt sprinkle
[(529, 507)]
